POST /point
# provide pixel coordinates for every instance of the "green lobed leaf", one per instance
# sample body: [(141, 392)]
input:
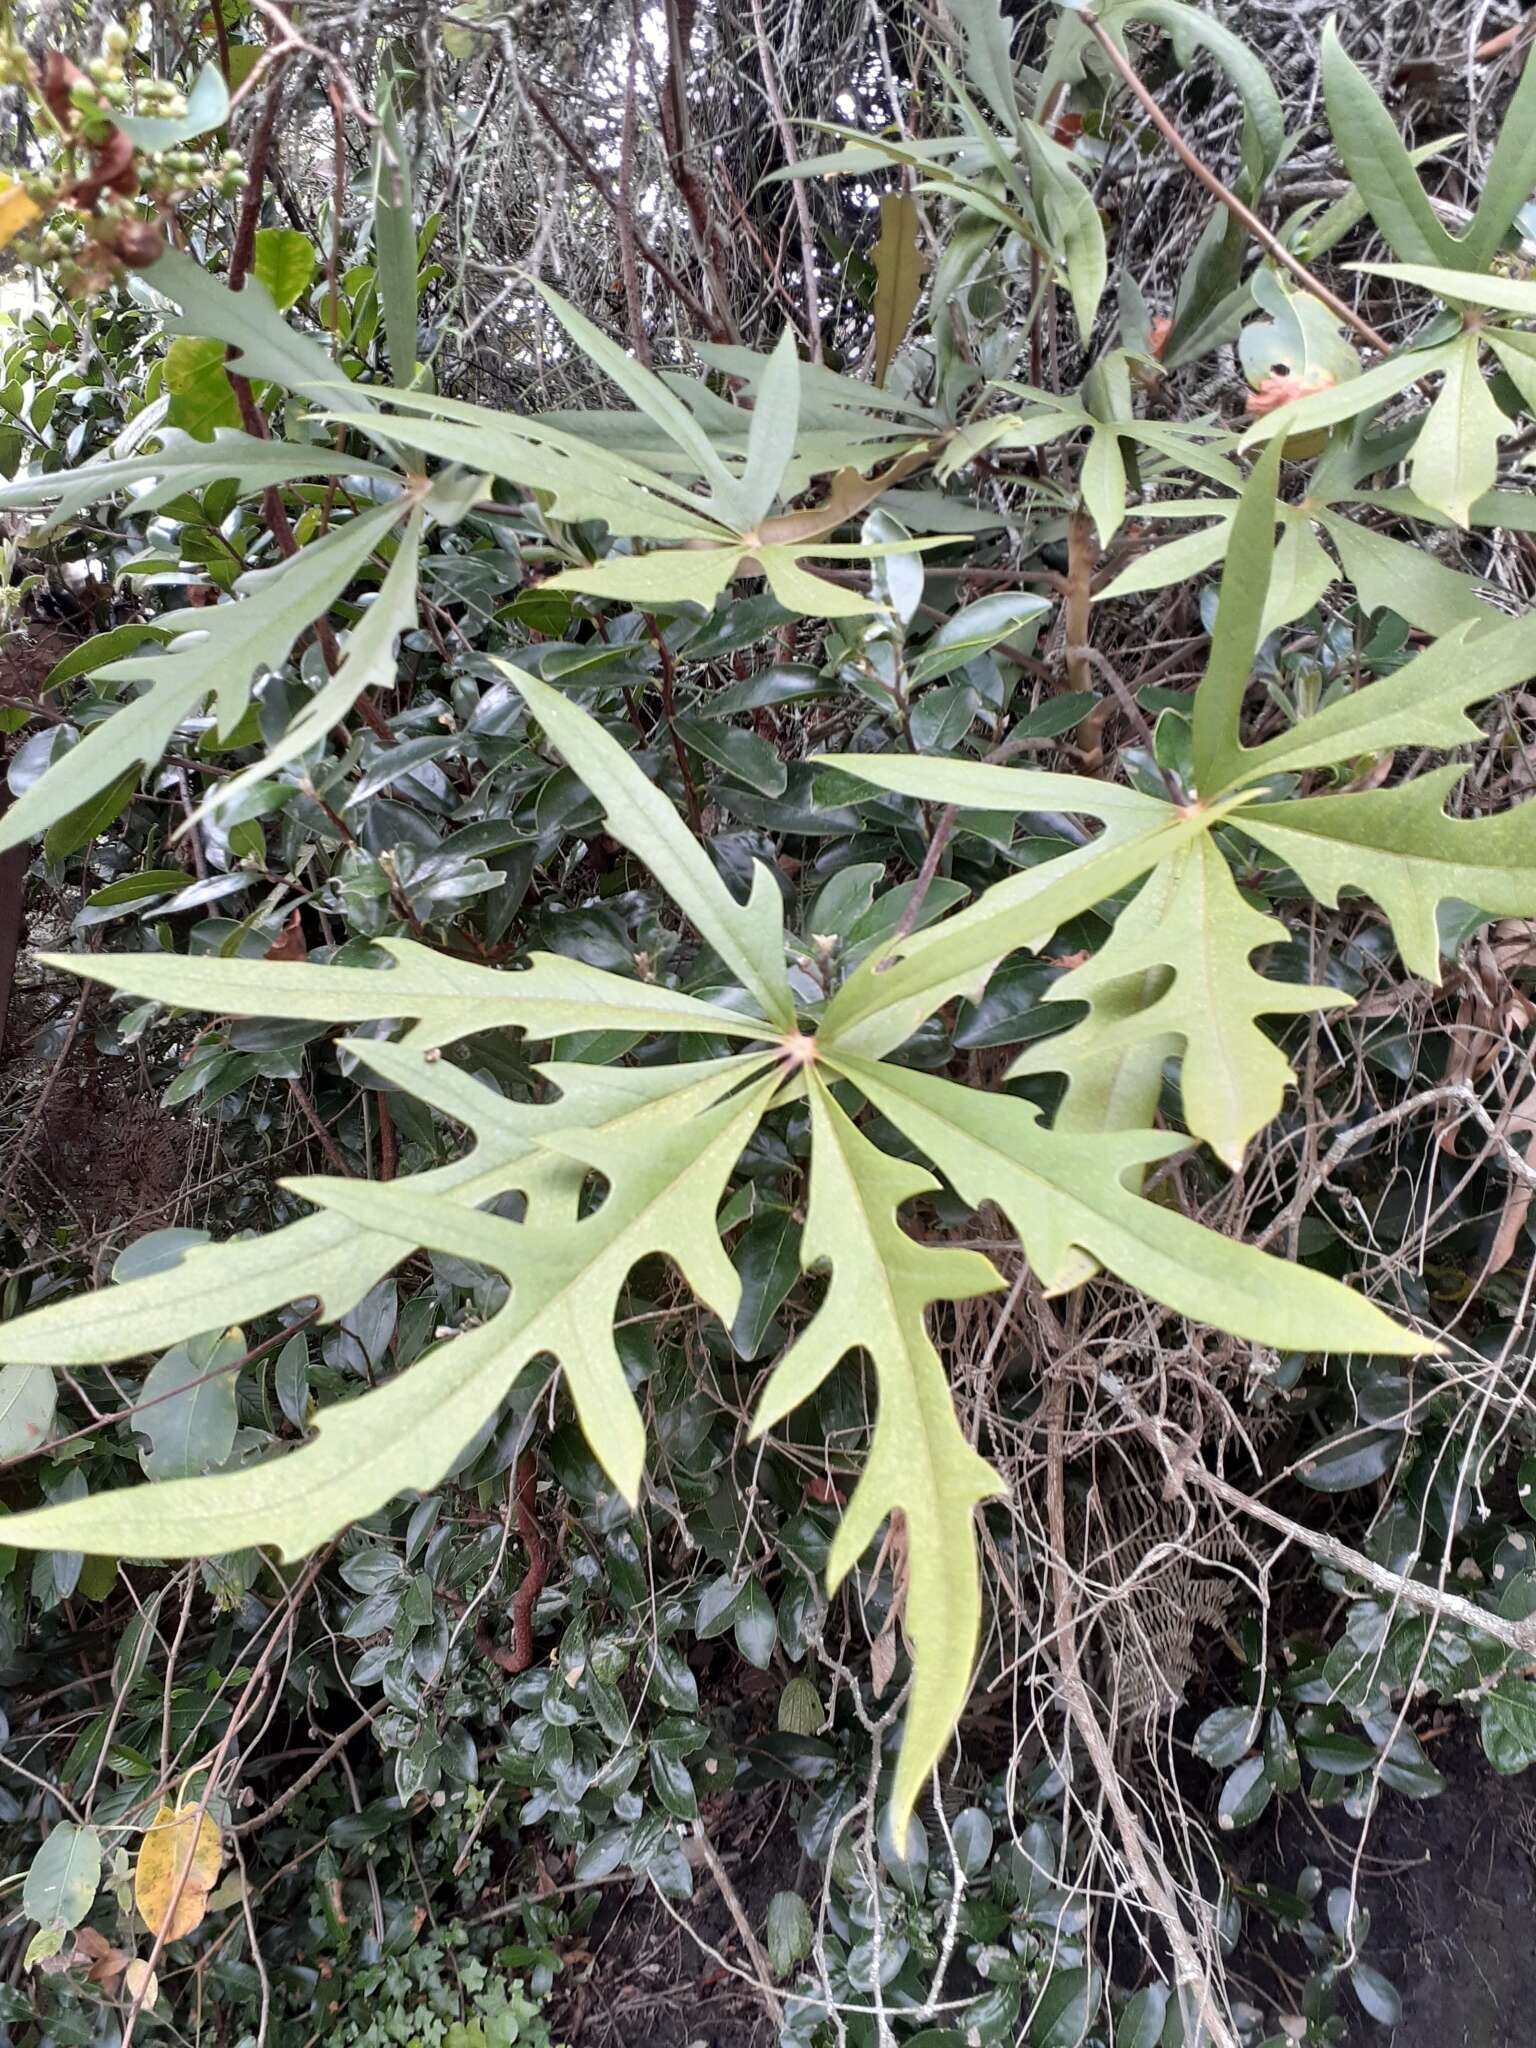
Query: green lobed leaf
[(368, 663), (180, 464), (449, 998), (1422, 705), (267, 347), (1064, 1195), (217, 650), (748, 937), (920, 1464), (1377, 159), (1399, 848), (1455, 459), (1177, 966), (667, 1153)]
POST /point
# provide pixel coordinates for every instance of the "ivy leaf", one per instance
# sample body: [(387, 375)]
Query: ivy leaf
[(667, 1154), (217, 650), (1399, 847), (920, 1464), (1177, 967), (190, 1407), (62, 1877), (1456, 456), (1064, 1195)]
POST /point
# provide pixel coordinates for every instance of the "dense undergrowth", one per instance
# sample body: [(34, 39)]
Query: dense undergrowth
[(767, 1168)]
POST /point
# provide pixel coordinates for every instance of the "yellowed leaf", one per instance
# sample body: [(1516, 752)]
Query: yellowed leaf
[(140, 1982), (177, 1842), (17, 211)]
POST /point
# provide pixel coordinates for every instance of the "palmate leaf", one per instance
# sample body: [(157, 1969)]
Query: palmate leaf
[(667, 1146), (884, 1001), (218, 651), (1177, 967), (664, 1142), (1065, 1196), (1398, 847), (920, 1464), (179, 464), (449, 998)]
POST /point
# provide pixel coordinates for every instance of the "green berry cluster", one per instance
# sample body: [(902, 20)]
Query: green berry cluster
[(92, 223)]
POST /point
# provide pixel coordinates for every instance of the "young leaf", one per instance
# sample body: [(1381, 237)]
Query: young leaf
[(284, 262), (748, 937), (1072, 221), (217, 649), (920, 1464), (1177, 966), (899, 276), (775, 426)]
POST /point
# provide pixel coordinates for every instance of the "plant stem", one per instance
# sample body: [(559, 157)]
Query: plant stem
[(1269, 242)]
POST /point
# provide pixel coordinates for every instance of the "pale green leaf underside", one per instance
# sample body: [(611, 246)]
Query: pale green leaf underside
[(218, 650), (1423, 705), (920, 1464), (449, 999), (748, 937), (1400, 849), (248, 321), (1178, 966), (667, 1147), (179, 464), (1064, 1194), (581, 481), (887, 998)]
